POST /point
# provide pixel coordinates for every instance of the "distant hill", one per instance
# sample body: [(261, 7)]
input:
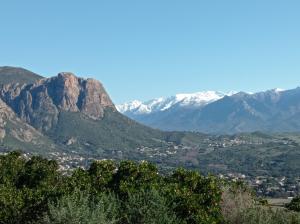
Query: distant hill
[(9, 75), (271, 111)]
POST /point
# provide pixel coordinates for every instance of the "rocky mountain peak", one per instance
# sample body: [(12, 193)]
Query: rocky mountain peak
[(41, 102), (71, 93)]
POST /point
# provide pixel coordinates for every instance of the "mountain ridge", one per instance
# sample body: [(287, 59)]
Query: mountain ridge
[(165, 103), (274, 110)]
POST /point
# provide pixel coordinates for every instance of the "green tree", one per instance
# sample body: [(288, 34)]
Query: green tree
[(79, 180), (11, 199), (11, 205), (294, 205), (11, 167), (40, 183), (196, 198), (148, 207), (132, 177), (102, 174), (26, 187)]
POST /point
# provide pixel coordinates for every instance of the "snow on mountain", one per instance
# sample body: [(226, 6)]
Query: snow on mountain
[(278, 90), (212, 112), (198, 99)]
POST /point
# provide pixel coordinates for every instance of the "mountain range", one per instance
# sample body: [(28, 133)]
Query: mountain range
[(215, 112), (165, 103), (74, 121)]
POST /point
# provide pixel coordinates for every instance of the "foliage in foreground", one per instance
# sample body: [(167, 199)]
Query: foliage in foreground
[(78, 208), (240, 206), (34, 191), (265, 215)]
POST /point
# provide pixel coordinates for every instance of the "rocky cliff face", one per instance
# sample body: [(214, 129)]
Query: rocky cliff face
[(65, 114), (13, 127), (5, 114), (39, 104)]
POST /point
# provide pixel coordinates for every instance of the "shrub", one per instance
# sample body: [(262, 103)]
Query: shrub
[(236, 199), (265, 215), (240, 206), (78, 208), (147, 207), (294, 205)]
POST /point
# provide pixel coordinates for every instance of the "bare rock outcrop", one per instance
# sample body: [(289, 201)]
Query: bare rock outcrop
[(39, 104)]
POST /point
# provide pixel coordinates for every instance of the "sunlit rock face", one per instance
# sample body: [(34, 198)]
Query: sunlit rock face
[(40, 103)]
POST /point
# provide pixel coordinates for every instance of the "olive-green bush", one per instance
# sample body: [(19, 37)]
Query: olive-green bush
[(79, 208)]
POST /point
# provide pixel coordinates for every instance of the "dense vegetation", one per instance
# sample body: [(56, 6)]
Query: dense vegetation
[(295, 204), (34, 191)]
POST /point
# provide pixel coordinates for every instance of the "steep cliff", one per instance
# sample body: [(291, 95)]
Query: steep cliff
[(40, 103), (76, 114)]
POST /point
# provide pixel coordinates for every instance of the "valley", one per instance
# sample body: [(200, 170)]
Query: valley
[(267, 163), (73, 120)]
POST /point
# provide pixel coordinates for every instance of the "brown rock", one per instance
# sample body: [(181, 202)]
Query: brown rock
[(94, 99), (40, 103)]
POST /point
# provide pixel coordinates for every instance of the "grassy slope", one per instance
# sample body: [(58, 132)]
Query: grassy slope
[(113, 132)]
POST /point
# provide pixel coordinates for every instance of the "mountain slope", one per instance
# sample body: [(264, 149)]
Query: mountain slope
[(272, 111), (16, 134), (114, 132)]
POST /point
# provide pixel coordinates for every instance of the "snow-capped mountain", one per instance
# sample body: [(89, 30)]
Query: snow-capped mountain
[(274, 110), (192, 100)]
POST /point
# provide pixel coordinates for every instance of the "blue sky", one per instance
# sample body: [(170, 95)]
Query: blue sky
[(144, 49)]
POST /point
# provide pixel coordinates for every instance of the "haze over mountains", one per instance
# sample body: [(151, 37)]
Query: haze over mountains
[(214, 112)]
